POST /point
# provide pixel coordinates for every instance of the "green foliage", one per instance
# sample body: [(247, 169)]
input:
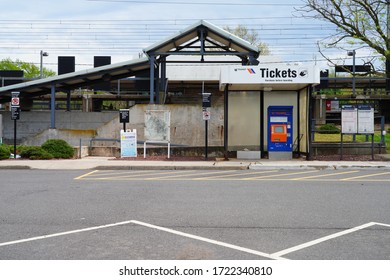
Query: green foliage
[(30, 70), (34, 152), (356, 24), (58, 148), (249, 35), (328, 129), (4, 152)]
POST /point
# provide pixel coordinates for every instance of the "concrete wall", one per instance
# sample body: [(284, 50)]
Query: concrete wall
[(187, 124), (34, 123)]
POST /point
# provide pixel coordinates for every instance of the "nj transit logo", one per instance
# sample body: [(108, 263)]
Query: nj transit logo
[(251, 71)]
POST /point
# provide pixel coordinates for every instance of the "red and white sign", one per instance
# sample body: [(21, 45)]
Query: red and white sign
[(15, 101), (206, 114), (333, 105)]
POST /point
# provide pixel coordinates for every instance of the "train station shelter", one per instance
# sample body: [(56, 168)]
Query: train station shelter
[(266, 105)]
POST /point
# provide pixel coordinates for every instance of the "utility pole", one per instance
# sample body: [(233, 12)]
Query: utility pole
[(42, 54)]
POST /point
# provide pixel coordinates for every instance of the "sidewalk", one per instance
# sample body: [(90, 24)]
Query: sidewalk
[(92, 163)]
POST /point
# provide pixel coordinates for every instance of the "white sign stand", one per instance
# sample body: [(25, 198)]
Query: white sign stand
[(129, 143)]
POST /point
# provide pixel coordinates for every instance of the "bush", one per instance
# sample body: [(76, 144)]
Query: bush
[(329, 129), (4, 152), (58, 148), (34, 152)]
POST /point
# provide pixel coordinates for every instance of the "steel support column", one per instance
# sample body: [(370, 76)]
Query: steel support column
[(68, 101), (53, 107), (163, 68), (262, 122), (152, 59), (157, 84), (298, 125), (226, 122), (310, 129)]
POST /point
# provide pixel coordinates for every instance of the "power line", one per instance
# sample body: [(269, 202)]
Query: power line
[(196, 3)]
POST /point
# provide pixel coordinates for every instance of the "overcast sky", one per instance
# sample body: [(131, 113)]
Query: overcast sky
[(122, 28)]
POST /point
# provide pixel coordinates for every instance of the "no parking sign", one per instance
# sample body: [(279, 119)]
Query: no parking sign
[(15, 106), (15, 101), (206, 114)]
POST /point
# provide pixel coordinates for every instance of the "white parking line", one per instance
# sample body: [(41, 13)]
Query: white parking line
[(274, 256), (183, 234), (383, 225), (211, 241), (320, 240), (62, 233)]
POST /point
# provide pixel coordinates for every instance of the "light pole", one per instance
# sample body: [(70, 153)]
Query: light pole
[(41, 67), (353, 54)]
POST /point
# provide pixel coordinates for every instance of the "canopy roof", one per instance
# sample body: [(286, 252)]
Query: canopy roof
[(217, 37), (201, 38), (77, 79)]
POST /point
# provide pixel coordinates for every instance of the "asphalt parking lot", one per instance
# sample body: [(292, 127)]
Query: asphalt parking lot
[(195, 214), (241, 175)]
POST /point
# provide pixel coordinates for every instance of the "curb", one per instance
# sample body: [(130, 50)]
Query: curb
[(317, 167), (15, 167), (174, 167)]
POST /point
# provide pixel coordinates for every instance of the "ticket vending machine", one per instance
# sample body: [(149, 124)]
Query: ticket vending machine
[(280, 132)]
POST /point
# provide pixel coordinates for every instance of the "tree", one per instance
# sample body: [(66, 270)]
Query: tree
[(249, 35), (357, 22), (30, 70)]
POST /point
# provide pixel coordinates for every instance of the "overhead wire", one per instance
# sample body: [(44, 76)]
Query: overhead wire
[(196, 3), (131, 36)]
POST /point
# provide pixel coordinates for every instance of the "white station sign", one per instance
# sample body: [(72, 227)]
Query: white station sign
[(270, 74)]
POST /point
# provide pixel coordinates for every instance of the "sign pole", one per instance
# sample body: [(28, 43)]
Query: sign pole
[(206, 150), (206, 104), (14, 138), (15, 114)]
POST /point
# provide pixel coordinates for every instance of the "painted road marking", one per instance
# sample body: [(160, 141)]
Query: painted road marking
[(134, 176), (183, 175), (383, 225), (324, 175), (211, 241), (320, 240), (62, 233), (235, 174), (364, 176), (121, 172), (280, 175), (275, 256), (179, 233), (85, 175)]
